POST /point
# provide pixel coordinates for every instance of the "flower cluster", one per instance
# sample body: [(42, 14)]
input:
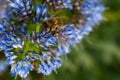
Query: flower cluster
[(60, 4), (34, 36)]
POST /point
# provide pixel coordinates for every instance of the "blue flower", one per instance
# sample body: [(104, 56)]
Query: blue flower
[(62, 49), (10, 57), (68, 4), (2, 28), (22, 68), (32, 56), (45, 56), (94, 11), (18, 43), (41, 14), (23, 49), (46, 39), (3, 25), (47, 68), (21, 7), (57, 63)]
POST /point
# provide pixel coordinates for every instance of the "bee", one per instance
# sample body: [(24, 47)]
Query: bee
[(36, 66), (53, 25)]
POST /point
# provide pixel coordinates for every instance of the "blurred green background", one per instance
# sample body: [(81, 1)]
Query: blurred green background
[(97, 57)]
